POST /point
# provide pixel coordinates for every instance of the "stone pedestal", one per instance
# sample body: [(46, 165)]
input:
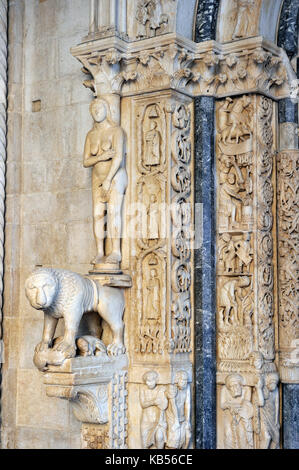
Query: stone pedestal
[(97, 389)]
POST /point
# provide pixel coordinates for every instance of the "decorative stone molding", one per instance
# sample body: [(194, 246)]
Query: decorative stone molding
[(288, 253), (245, 274), (246, 66)]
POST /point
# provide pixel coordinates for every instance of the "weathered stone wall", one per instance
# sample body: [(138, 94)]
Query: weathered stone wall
[(48, 211)]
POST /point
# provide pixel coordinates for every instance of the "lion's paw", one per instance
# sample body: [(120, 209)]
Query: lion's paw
[(68, 350), (116, 349), (42, 347)]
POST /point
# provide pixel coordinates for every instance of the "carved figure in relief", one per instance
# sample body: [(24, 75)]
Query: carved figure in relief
[(64, 294), (154, 402), (269, 413), (227, 253), (244, 252), (235, 401), (232, 301), (152, 153), (90, 346), (149, 12), (153, 221), (238, 126), (153, 297), (230, 200), (183, 406), (235, 255), (105, 152), (242, 18)]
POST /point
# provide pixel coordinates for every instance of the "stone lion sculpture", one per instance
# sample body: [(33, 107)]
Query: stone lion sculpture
[(64, 294)]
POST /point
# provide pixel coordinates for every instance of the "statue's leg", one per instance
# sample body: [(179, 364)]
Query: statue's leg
[(99, 229), (114, 226)]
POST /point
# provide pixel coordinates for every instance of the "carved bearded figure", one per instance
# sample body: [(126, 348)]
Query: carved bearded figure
[(235, 400)]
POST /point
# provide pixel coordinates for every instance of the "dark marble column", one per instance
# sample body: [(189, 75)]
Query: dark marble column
[(290, 416), (205, 276), (205, 262)]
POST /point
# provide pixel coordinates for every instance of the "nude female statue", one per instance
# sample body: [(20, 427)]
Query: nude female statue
[(105, 152)]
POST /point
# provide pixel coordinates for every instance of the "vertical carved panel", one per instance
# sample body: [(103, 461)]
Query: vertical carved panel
[(248, 398), (181, 229), (264, 202), (161, 302), (162, 171), (288, 255)]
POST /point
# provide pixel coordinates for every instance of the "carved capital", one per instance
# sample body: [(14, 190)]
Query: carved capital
[(169, 61)]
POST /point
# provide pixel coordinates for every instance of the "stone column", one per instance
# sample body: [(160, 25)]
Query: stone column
[(205, 274), (3, 117)]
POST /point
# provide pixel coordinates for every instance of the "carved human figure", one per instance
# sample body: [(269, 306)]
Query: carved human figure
[(242, 18), (149, 11), (269, 413), (238, 127), (141, 17), (223, 114), (153, 402), (105, 152), (183, 404), (227, 252), (244, 252), (153, 297), (231, 301), (235, 401), (152, 153), (230, 200), (153, 218), (90, 346)]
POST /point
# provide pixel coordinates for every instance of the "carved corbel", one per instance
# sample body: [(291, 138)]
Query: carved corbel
[(97, 391)]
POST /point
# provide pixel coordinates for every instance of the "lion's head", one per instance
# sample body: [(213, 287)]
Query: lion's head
[(41, 288)]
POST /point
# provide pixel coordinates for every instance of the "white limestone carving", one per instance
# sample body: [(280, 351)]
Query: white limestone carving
[(251, 65), (64, 294), (154, 403), (238, 19), (166, 412), (105, 152), (237, 422), (150, 18)]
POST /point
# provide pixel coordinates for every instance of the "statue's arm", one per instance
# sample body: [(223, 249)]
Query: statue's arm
[(188, 405), (119, 141), (145, 403), (224, 404)]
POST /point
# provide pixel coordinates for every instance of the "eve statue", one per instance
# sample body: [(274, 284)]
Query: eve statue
[(105, 152)]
